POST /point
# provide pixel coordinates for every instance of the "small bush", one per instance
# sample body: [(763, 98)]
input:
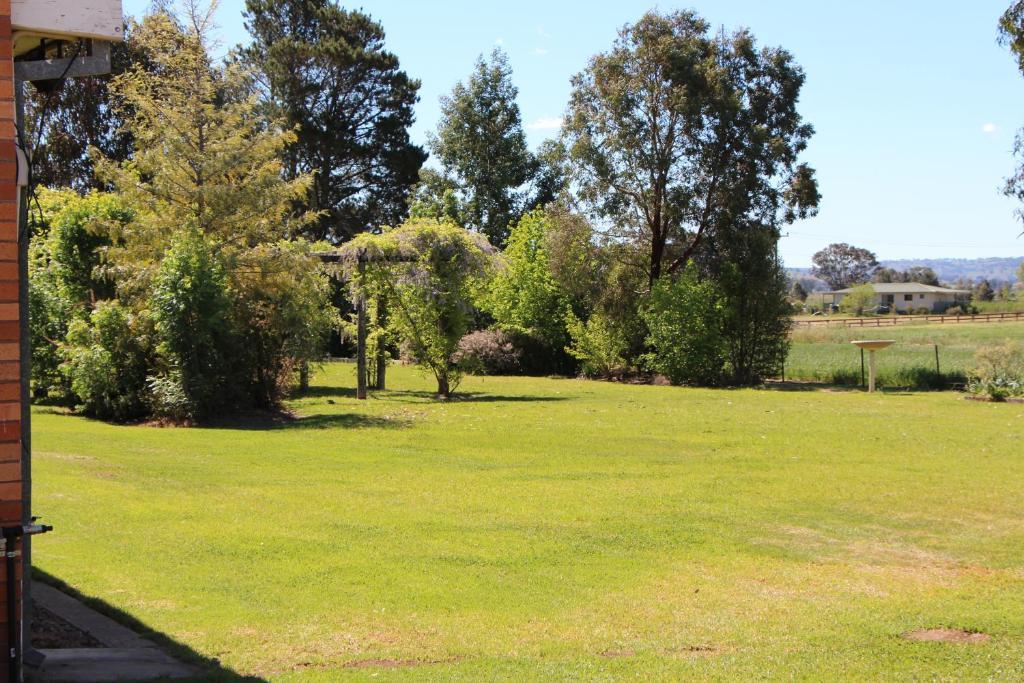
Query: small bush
[(923, 310), (859, 301), (598, 344), (684, 322), (999, 371), (487, 352), (190, 305), (105, 361)]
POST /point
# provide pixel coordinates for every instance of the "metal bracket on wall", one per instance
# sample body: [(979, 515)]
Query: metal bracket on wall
[(95, 61)]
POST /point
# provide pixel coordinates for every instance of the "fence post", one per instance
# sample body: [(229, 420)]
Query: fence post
[(938, 371), (862, 366)]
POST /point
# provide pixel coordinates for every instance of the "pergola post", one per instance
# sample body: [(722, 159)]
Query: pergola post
[(381, 350), (361, 334)]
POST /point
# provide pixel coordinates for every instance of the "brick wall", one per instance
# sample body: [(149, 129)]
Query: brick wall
[(10, 365)]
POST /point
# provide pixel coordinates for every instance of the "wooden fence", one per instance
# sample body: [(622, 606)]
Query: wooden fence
[(893, 320)]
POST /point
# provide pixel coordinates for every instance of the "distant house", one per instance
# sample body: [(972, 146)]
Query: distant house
[(907, 297)]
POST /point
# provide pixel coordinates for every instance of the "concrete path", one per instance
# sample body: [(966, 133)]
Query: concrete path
[(126, 657)]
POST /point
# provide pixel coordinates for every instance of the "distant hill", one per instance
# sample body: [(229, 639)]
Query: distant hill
[(994, 269), (951, 269)]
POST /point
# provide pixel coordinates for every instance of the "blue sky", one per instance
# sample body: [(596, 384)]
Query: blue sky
[(914, 103)]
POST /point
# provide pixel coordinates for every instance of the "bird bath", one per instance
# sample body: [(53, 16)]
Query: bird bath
[(872, 345)]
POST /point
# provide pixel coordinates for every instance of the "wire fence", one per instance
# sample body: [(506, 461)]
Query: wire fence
[(916, 366)]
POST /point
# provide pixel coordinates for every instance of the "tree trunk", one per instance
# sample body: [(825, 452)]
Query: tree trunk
[(443, 389), (657, 255), (304, 377), (382, 352), (361, 339)]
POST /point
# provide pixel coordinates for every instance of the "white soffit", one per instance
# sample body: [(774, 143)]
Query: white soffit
[(69, 19)]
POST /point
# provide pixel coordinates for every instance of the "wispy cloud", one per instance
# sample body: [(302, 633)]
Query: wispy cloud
[(540, 51), (499, 41), (542, 32), (989, 128), (546, 123)]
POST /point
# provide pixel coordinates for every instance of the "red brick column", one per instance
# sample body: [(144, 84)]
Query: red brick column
[(10, 355)]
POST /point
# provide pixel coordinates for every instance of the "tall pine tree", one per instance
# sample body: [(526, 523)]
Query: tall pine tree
[(324, 69)]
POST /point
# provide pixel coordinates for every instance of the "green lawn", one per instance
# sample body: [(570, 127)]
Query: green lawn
[(823, 354), (544, 529)]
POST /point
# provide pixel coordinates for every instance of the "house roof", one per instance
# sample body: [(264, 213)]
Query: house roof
[(905, 288)]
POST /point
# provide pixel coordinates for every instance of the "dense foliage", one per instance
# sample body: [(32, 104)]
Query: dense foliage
[(678, 131), (430, 272), (842, 265), (487, 172), (181, 295), (324, 71), (525, 299), (684, 319), (642, 242)]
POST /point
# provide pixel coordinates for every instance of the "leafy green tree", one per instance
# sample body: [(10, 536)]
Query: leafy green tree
[(50, 313), (983, 291), (923, 275), (208, 245), (1011, 33), (684, 320), (196, 343), (577, 264), (436, 196), (599, 344), (482, 149), (524, 296), (325, 71), (106, 359), (205, 159), (281, 303), (842, 265), (756, 320), (797, 292), (431, 272), (673, 126), (887, 275), (66, 276), (860, 299)]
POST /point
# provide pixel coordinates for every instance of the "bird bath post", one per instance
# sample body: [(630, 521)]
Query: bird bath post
[(872, 345)]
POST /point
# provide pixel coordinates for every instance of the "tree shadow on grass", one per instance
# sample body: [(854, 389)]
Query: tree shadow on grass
[(210, 668), (463, 397), (284, 421), (406, 396), (810, 386), (321, 391)]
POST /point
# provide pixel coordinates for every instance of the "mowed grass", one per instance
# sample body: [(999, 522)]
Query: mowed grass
[(823, 354), (547, 529)]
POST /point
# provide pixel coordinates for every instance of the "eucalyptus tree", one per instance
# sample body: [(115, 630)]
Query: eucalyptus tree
[(843, 265), (677, 132), (1011, 33)]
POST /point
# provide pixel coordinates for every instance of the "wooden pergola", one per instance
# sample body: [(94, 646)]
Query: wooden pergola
[(362, 258)]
